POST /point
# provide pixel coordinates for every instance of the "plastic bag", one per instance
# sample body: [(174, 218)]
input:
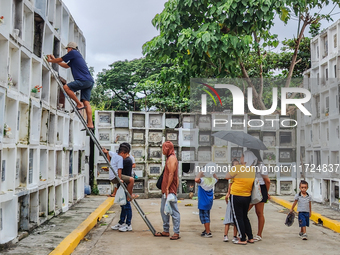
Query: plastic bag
[(120, 196), (256, 194), (167, 208)]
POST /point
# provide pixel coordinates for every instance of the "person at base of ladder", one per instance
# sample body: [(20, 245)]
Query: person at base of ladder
[(83, 80)]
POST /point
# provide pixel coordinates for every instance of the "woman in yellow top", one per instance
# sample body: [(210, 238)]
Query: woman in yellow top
[(243, 176)]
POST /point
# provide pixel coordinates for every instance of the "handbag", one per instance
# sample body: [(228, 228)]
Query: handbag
[(160, 180), (256, 194)]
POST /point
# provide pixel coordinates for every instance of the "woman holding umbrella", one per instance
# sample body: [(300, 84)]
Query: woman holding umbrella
[(243, 178)]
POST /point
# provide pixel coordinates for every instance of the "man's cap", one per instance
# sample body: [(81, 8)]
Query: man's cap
[(72, 45)]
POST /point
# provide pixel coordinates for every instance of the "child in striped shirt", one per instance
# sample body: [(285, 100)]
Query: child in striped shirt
[(304, 208)]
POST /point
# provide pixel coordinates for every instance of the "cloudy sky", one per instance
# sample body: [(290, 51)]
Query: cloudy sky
[(117, 29), (114, 29)]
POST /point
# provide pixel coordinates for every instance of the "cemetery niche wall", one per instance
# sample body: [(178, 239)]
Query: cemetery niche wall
[(42, 152), (194, 145)]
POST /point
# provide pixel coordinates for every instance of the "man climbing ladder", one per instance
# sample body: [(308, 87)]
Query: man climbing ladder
[(83, 80), (94, 139)]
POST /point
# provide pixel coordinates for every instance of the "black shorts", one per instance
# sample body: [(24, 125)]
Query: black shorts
[(264, 192)]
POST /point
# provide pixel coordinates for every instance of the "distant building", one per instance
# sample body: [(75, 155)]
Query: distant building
[(319, 135), (42, 152)]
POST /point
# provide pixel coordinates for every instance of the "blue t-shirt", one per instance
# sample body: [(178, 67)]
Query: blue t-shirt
[(78, 66), (205, 198)]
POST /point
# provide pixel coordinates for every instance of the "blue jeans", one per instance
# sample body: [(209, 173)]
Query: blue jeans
[(175, 216), (125, 214)]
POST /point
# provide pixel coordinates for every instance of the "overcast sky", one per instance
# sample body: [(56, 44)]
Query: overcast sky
[(117, 29), (114, 29)]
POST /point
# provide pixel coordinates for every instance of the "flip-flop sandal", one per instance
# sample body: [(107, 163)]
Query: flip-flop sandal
[(160, 234), (84, 129), (251, 242), (239, 242), (175, 237), (111, 195), (78, 109)]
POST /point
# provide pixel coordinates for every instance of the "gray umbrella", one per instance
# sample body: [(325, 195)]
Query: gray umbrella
[(242, 139)]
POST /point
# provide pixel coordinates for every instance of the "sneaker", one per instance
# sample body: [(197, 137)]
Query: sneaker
[(125, 228), (300, 234), (304, 236), (235, 239), (225, 238), (208, 235), (118, 226), (203, 233)]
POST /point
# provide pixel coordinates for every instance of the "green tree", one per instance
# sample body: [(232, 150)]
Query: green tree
[(120, 81), (215, 38), (141, 84)]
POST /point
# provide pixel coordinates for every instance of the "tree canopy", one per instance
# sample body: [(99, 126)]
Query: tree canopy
[(212, 39), (215, 38)]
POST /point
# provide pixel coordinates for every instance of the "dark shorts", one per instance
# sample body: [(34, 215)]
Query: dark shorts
[(125, 178), (84, 86), (264, 192), (303, 219), (204, 216)]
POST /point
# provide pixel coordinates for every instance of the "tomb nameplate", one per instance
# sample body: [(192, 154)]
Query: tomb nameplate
[(155, 153), (138, 185), (220, 154), (188, 121), (269, 141), (122, 122), (155, 121), (204, 155), (171, 123), (104, 119), (104, 137), (138, 120), (155, 137), (155, 169), (188, 155)]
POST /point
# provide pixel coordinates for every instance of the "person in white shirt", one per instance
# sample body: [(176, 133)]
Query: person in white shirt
[(116, 160)]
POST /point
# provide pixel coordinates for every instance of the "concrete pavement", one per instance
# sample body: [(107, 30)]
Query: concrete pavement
[(44, 239), (277, 238)]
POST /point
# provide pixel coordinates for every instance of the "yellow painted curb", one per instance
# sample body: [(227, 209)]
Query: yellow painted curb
[(326, 222), (68, 245)]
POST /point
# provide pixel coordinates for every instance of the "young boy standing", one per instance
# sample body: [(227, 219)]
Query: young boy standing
[(206, 197), (304, 208)]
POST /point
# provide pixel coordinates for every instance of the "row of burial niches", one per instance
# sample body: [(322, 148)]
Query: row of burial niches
[(26, 76), (215, 121), (30, 209), (23, 70), (25, 122), (150, 141), (33, 167), (37, 27)]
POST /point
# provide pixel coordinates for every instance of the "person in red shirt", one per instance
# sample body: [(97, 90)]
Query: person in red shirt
[(169, 186)]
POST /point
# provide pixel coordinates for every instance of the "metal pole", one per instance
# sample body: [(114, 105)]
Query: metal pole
[(94, 139)]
